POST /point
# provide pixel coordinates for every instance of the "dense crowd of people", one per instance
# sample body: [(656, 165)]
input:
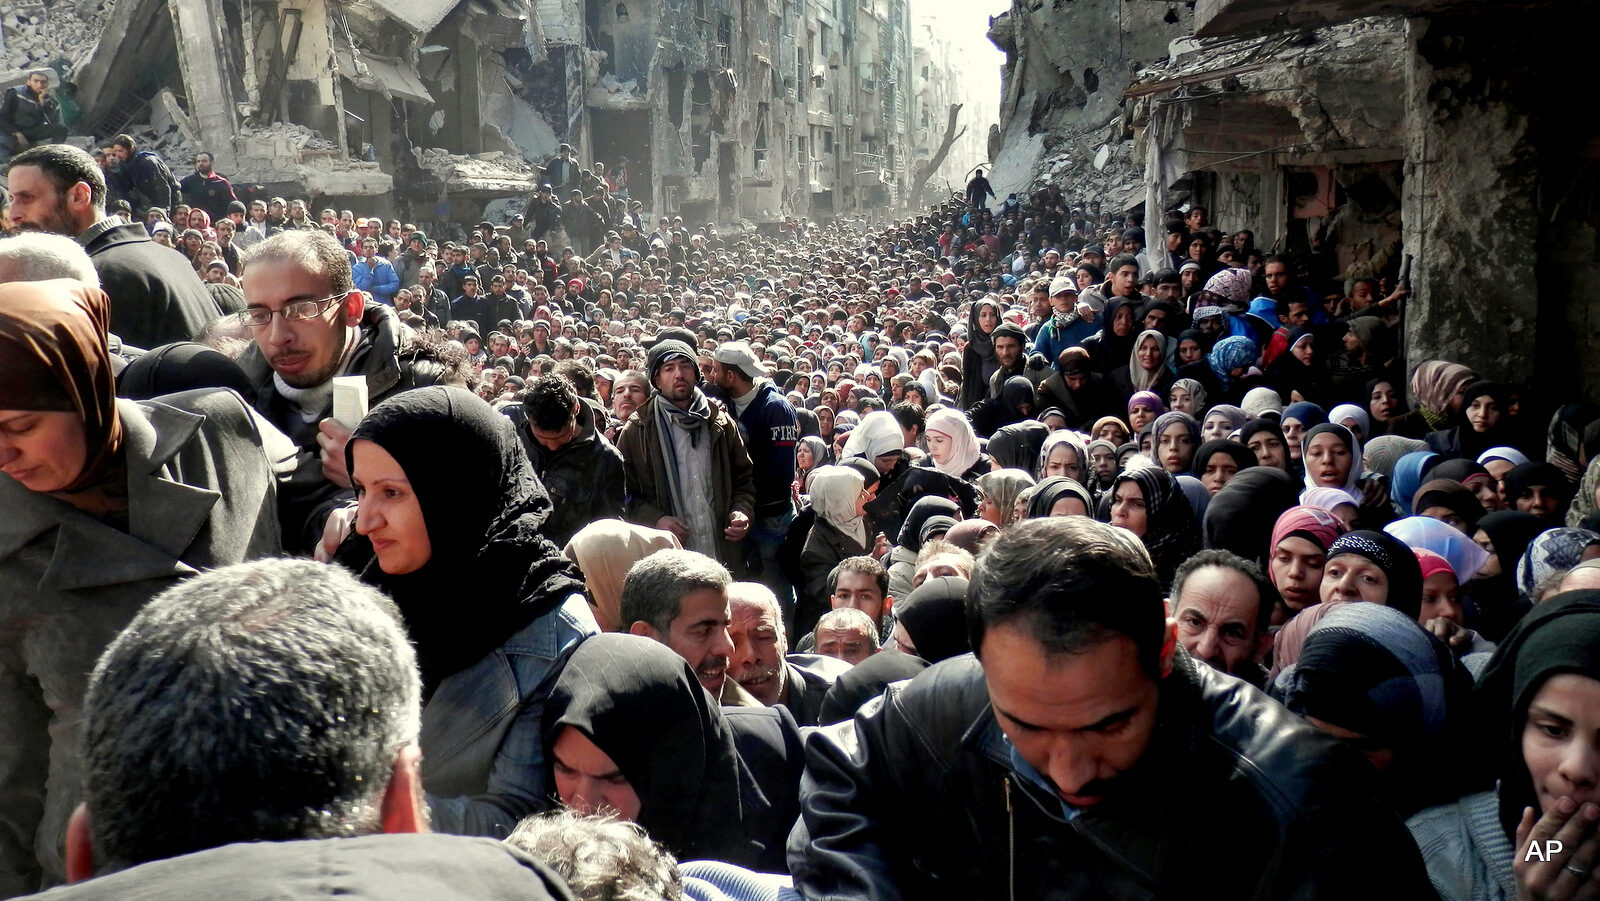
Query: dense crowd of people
[(982, 553)]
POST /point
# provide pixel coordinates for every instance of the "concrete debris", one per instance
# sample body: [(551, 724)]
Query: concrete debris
[(36, 35), (500, 172), (609, 84)]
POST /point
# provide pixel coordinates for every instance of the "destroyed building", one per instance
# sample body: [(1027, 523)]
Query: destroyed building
[(1428, 132), (721, 110)]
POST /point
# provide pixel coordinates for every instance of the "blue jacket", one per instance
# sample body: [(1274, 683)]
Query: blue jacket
[(770, 431), (1050, 342), (483, 730), (379, 280)]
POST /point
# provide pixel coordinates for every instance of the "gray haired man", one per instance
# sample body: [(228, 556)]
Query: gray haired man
[(242, 720)]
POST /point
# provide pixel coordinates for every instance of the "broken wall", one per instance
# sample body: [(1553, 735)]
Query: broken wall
[(1068, 63), (1502, 200)]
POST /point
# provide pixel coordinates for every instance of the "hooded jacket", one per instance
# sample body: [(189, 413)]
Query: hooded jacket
[(584, 477), (648, 496), (918, 797)]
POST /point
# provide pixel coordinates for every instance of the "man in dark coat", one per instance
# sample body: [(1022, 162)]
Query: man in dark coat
[(579, 467), (326, 745), (687, 468), (30, 115), (156, 298), (311, 324), (1081, 753), (205, 189), (146, 176)]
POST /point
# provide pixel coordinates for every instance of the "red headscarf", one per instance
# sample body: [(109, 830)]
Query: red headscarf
[(1311, 523)]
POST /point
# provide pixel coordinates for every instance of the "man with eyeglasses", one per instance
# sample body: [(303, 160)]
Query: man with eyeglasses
[(310, 323)]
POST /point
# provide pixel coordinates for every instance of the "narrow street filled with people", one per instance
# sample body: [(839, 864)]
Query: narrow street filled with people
[(1017, 546)]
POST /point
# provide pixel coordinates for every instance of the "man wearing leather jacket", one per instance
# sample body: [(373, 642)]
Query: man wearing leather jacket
[(1082, 754)]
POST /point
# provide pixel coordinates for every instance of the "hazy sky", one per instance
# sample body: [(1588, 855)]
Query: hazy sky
[(966, 24)]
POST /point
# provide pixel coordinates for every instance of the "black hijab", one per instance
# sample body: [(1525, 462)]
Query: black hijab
[(1242, 456), (1255, 427), (491, 572), (1561, 635), (181, 366), (1171, 532), (1392, 556), (1017, 446), (1495, 603), (1549, 475), (1242, 515), (865, 681), (1049, 492), (641, 704), (935, 616), (920, 512)]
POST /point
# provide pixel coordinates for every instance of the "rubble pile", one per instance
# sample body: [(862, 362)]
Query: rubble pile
[(486, 172), (36, 35)]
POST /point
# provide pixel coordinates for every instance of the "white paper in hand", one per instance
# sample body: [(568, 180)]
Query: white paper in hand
[(349, 399)]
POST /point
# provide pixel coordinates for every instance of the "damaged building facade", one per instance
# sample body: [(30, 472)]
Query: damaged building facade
[(1424, 136), (436, 110)]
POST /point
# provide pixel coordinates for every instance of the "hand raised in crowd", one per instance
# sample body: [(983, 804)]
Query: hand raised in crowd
[(331, 438), (338, 526), (1452, 633), (1564, 873)]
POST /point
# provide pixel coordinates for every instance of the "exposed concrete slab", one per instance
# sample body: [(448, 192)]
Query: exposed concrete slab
[(197, 26)]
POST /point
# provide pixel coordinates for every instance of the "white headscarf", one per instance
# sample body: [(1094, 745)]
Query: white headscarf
[(963, 441), (1350, 411), (877, 434), (835, 493)]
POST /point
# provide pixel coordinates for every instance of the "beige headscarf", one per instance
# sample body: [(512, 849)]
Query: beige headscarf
[(605, 550)]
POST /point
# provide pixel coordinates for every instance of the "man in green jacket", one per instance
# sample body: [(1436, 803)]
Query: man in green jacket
[(685, 467)]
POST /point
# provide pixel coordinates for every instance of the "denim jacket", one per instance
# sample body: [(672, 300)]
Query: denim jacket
[(483, 763)]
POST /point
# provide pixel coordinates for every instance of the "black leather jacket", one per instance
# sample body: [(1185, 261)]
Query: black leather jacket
[(917, 797)]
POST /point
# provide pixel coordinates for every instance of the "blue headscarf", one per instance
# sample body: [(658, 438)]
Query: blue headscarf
[(1408, 472), (1306, 413), (1237, 352)]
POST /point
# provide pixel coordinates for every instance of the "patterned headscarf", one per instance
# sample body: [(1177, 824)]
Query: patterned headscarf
[(1233, 284), (1550, 553), (1237, 352), (1197, 392), (1384, 451), (1393, 557), (1433, 385), (1171, 533), (1583, 503)]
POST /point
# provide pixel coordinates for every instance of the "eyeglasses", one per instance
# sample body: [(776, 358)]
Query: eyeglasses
[(299, 311)]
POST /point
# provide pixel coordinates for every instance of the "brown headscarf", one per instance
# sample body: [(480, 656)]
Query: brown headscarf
[(1434, 384), (54, 358)]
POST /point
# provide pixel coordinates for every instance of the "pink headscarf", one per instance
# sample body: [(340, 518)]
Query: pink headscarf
[(1311, 523)]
